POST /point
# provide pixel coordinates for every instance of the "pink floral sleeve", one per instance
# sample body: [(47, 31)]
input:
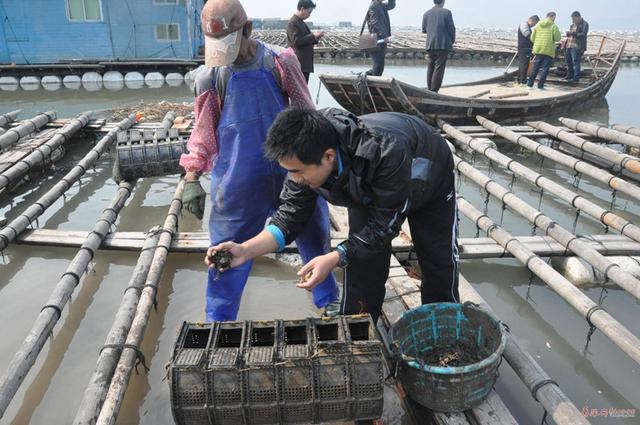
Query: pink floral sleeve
[(202, 144), (293, 82)]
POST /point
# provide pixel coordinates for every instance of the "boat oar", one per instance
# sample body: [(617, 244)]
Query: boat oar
[(506, 71)]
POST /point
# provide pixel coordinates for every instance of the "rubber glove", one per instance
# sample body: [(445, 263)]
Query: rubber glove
[(193, 198)]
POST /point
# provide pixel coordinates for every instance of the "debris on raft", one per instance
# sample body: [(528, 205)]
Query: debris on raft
[(151, 111)]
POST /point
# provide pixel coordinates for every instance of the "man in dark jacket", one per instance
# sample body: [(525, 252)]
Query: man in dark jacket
[(525, 46), (383, 167), (437, 23), (576, 46), (378, 23), (301, 38)]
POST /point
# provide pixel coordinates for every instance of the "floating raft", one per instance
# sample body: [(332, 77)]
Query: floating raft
[(103, 400)]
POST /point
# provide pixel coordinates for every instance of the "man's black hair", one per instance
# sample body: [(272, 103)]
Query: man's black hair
[(302, 133), (306, 4), (534, 17), (576, 14), (550, 14), (438, 1)]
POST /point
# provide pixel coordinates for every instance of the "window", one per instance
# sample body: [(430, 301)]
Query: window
[(168, 32), (165, 2), (84, 10)]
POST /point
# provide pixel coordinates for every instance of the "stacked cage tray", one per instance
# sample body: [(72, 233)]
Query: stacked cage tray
[(149, 153)]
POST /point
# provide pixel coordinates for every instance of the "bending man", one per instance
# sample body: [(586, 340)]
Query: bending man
[(383, 167)]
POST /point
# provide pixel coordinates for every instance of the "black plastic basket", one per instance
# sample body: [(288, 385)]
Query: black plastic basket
[(422, 330)]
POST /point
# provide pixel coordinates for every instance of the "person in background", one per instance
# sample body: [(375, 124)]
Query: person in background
[(437, 23), (378, 22), (544, 37), (576, 46), (525, 46), (239, 93), (384, 167), (300, 37)]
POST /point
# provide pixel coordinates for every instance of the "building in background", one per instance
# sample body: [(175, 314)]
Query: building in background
[(345, 24), (50, 31)]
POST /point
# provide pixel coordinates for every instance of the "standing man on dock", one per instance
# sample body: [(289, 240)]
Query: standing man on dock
[(525, 47), (378, 22), (300, 37), (576, 46), (437, 23), (384, 168), (240, 93), (544, 37)]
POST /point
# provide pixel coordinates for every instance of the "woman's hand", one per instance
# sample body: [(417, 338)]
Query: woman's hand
[(239, 254)]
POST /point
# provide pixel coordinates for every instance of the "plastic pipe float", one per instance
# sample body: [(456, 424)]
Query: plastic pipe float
[(9, 117), (602, 132), (12, 175), (20, 223), (129, 355), (13, 135), (96, 391), (577, 165), (539, 383), (625, 161), (577, 201), (26, 356), (595, 314), (627, 129), (570, 241)]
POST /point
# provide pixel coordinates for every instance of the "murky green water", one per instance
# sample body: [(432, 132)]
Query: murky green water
[(550, 330)]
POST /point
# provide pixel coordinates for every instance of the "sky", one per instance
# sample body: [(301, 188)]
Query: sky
[(503, 14)]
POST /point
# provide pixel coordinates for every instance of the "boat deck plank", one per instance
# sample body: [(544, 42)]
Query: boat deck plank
[(506, 91)]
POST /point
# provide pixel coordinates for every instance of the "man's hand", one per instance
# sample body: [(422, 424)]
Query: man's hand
[(238, 252), (317, 270), (318, 34)]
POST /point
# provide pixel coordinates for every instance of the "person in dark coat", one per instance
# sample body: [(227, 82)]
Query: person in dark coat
[(525, 47), (378, 22), (301, 38), (384, 167), (576, 46), (437, 23)]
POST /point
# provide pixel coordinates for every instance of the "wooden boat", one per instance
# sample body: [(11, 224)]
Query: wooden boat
[(495, 98)]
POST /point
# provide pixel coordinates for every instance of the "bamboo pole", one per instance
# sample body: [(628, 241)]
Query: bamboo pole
[(629, 162), (96, 391), (13, 135), (602, 132), (9, 117), (26, 356), (18, 225), (577, 201), (12, 175), (542, 387), (130, 352), (567, 239), (627, 130), (580, 166), (594, 314)]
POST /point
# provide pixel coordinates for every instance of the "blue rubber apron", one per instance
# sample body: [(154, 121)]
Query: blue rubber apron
[(245, 188)]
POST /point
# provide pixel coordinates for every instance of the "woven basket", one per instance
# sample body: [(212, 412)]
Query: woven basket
[(447, 389)]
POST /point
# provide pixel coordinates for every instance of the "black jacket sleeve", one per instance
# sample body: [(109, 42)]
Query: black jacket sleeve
[(582, 30), (424, 23), (389, 206), (297, 204), (296, 37), (390, 4)]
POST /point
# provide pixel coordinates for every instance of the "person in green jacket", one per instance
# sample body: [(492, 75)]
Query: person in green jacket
[(544, 37)]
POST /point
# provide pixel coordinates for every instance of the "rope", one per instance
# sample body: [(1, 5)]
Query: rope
[(140, 359)]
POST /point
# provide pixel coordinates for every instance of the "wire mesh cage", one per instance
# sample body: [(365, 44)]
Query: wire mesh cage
[(277, 372), (448, 355), (148, 153)]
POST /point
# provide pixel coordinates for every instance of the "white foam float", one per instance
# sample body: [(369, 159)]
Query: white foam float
[(113, 85), (134, 80), (112, 76), (72, 82), (9, 83), (174, 79), (92, 85), (51, 82), (154, 79), (91, 78), (30, 83)]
